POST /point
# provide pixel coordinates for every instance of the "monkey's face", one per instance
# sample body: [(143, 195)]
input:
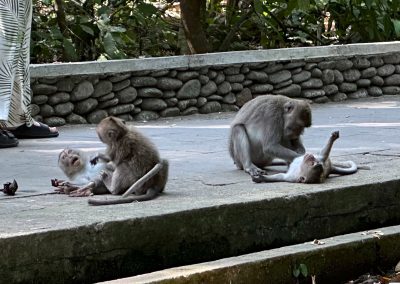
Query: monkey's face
[(311, 170), (70, 161), (297, 116)]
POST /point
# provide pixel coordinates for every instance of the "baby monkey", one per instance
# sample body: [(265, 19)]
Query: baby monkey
[(310, 168), (83, 174), (139, 173)]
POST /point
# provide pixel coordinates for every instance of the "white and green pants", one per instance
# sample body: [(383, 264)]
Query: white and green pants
[(15, 91)]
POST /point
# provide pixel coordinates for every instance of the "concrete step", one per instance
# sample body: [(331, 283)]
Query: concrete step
[(334, 260), (121, 241)]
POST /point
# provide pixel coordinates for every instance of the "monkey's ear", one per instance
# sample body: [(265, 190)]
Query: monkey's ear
[(288, 107), (301, 179)]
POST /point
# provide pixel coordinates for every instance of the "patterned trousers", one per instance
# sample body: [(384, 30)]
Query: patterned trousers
[(15, 91)]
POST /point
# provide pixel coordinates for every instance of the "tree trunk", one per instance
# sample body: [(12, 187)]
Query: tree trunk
[(191, 15)]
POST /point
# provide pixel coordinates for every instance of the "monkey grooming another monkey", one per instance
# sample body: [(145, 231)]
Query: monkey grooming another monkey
[(311, 168), (139, 173), (268, 127), (83, 174)]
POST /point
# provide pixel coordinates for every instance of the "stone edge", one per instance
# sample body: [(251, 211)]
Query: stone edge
[(211, 59), (364, 250)]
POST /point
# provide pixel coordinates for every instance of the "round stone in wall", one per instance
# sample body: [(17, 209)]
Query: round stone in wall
[(321, 100), (232, 70), (58, 98), (54, 121), (344, 64), (385, 70), (85, 106), (119, 77), (108, 103), (236, 87), (120, 109), (327, 65), (310, 93), (224, 88), (280, 76), (338, 97), (121, 85), (82, 91), (171, 111), (35, 109), (191, 89), (107, 97), (75, 119), (378, 81), (153, 104), (338, 77), (301, 77), (190, 110), (102, 88), (46, 110), (229, 98), (97, 116), (351, 75), (147, 115), (238, 78), (313, 83), (171, 101), (201, 101), (65, 85), (143, 81), (257, 76), (165, 83), (243, 97), (273, 68), (361, 63), (208, 89), (375, 91), (392, 80), (368, 73), (316, 73), (328, 76), (43, 89), (391, 90), (261, 88), (160, 73), (63, 109), (187, 75), (363, 83), (150, 93), (361, 93), (220, 78), (210, 107), (40, 99), (127, 95), (376, 61), (348, 87), (391, 59), (330, 89), (229, 108), (293, 90)]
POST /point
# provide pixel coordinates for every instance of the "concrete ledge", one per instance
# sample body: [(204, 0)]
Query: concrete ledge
[(340, 259), (211, 59)]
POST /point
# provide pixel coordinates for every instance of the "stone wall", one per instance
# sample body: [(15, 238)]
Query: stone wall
[(148, 95)]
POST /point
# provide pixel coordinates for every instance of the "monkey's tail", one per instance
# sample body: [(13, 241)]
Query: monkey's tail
[(150, 194), (140, 182), (344, 168)]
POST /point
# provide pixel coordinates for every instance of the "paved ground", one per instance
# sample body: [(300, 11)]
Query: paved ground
[(202, 173)]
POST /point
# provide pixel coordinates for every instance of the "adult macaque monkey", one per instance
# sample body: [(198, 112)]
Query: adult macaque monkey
[(83, 173), (311, 168), (265, 128), (139, 173)]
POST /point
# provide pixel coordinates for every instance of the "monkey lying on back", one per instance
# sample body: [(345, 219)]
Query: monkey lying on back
[(311, 168), (83, 174), (139, 173)]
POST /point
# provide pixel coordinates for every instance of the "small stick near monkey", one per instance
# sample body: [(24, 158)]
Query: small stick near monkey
[(311, 168)]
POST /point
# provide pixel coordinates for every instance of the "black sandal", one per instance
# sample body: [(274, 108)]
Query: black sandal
[(34, 131), (7, 139)]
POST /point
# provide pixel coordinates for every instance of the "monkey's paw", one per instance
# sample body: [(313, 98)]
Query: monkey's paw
[(255, 171), (335, 135), (82, 192), (257, 179)]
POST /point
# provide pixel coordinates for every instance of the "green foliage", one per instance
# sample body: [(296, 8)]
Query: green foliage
[(116, 29), (100, 29)]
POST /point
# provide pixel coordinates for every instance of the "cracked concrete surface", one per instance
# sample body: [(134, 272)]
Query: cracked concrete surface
[(202, 180)]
